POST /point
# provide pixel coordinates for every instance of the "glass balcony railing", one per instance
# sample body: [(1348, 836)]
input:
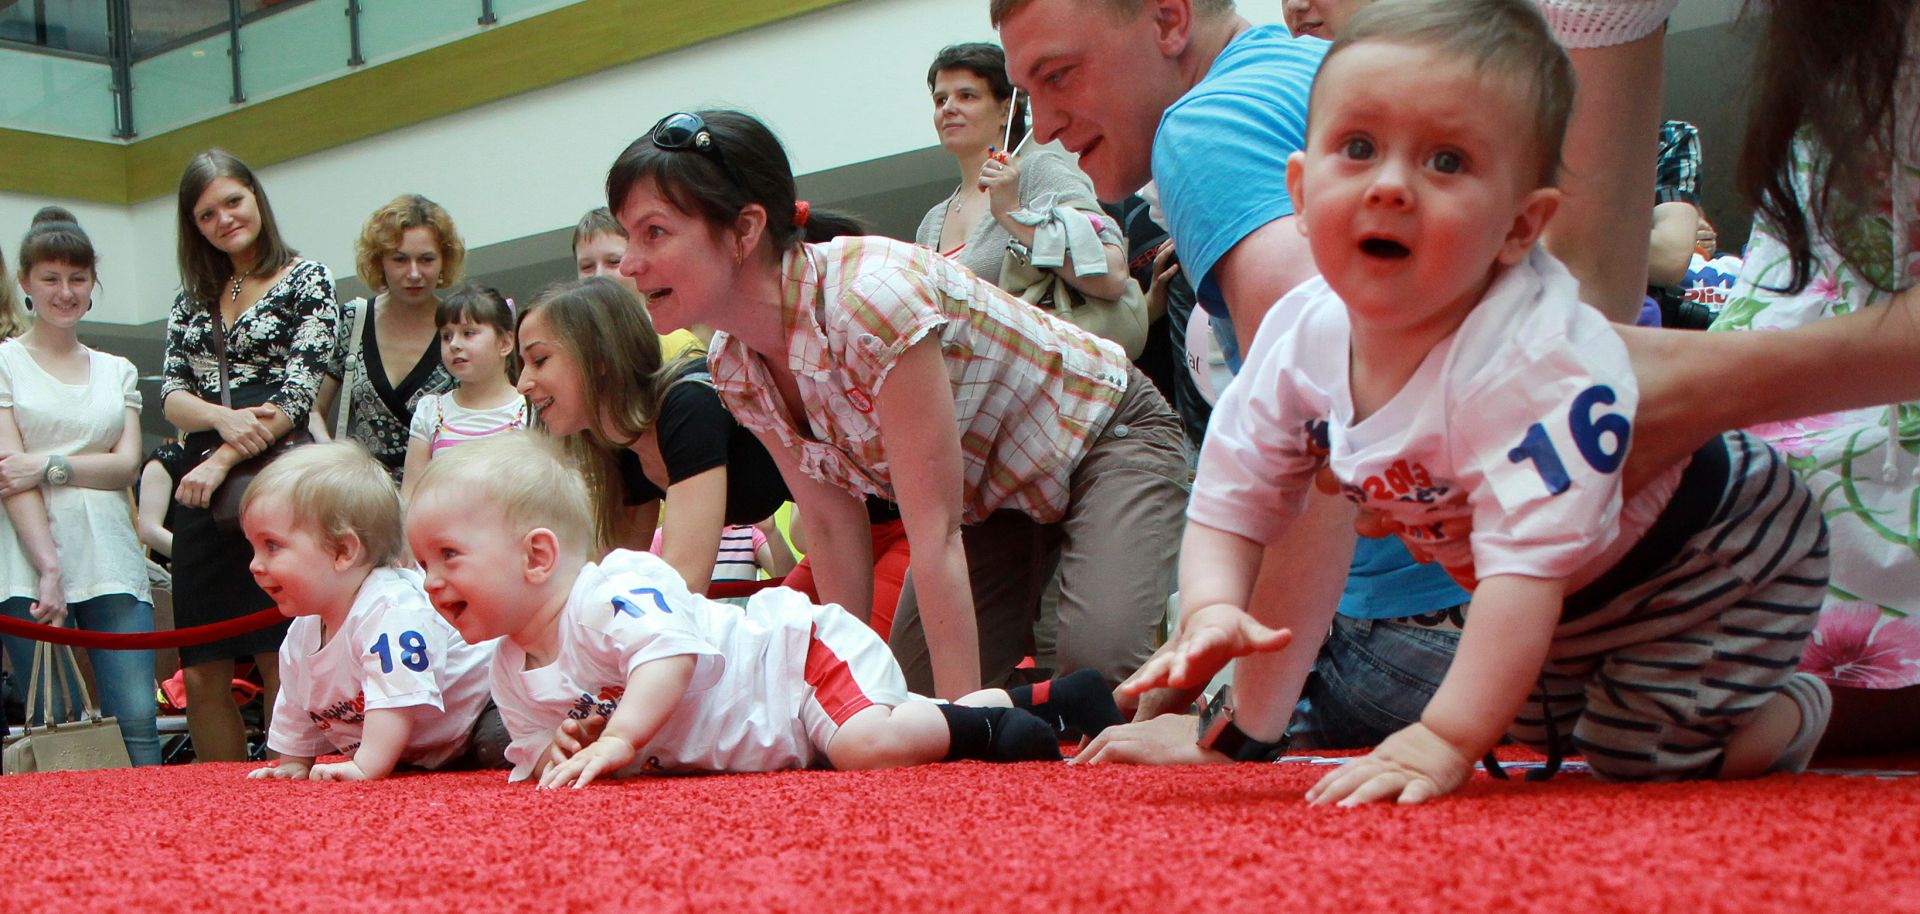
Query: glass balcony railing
[(102, 69)]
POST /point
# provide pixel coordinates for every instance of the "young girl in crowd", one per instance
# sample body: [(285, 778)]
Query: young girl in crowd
[(613, 667), (368, 669), (70, 439), (477, 348)]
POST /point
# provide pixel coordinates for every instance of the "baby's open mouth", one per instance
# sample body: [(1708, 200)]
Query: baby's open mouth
[(1383, 247)]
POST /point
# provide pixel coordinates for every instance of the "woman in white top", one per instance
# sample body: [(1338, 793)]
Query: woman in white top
[(70, 435)]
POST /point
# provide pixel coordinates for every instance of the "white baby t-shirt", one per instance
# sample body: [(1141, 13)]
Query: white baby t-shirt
[(1519, 421), (741, 712), (393, 651)]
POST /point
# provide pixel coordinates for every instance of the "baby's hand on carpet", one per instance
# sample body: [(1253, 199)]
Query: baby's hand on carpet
[(604, 755), (1210, 637), (1413, 766), (286, 770), (574, 735), (338, 771)]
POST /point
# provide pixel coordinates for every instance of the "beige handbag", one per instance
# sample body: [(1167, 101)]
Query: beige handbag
[(1122, 320), (87, 742)]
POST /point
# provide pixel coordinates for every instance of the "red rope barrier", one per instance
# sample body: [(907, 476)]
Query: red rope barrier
[(140, 641), (218, 631)]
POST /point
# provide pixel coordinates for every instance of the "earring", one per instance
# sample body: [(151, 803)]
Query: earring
[(29, 300)]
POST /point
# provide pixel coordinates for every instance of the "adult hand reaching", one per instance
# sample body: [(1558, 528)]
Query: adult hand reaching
[(1208, 638)]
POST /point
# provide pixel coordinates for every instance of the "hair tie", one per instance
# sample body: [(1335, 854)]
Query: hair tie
[(801, 210), (511, 310)]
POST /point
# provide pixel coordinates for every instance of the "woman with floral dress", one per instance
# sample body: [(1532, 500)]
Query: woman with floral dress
[(275, 318), (408, 251), (1833, 156)]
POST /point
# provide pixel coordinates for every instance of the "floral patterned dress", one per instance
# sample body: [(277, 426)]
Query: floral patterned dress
[(382, 411), (1863, 465), (277, 352)]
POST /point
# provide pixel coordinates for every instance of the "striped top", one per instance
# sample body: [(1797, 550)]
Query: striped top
[(739, 555), (1030, 391), (442, 422)]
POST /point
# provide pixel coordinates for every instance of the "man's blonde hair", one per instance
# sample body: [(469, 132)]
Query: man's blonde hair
[(1119, 9), (526, 480), (337, 489)]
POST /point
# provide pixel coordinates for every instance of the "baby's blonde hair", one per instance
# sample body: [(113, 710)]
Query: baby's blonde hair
[(337, 489), (527, 480)]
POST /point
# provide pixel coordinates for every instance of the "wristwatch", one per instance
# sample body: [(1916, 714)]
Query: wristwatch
[(1219, 733), (1019, 251), (58, 472)]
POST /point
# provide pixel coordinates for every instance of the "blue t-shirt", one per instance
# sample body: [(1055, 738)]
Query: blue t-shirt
[(1220, 164), (1220, 155), (1385, 582)]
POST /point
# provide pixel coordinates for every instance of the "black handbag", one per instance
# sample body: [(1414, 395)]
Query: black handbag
[(225, 502)]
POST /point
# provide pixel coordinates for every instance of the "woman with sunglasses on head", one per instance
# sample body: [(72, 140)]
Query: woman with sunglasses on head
[(257, 320), (69, 448), (406, 253), (977, 117), (1012, 441)]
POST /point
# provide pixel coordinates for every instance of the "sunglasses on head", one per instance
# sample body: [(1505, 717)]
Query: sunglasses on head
[(687, 132)]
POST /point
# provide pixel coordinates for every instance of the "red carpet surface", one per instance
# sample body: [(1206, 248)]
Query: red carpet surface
[(959, 837)]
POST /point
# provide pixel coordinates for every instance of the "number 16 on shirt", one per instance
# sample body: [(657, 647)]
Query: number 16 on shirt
[(1601, 440)]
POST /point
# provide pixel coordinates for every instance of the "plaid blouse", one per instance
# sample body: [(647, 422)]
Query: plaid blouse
[(1030, 391), (1677, 178)]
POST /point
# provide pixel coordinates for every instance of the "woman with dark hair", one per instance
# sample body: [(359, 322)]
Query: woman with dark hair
[(974, 114), (70, 436), (598, 242), (653, 431), (406, 253), (1832, 164), (1012, 441), (255, 321)]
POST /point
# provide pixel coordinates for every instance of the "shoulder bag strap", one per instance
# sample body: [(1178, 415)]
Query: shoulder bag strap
[(358, 308), (40, 651), (220, 350), (85, 709)]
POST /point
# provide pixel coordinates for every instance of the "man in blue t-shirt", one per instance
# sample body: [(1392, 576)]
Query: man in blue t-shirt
[(1192, 96)]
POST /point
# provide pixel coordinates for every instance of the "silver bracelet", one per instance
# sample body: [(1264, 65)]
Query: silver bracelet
[(58, 472)]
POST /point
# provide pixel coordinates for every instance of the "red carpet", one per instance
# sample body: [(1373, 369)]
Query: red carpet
[(960, 837)]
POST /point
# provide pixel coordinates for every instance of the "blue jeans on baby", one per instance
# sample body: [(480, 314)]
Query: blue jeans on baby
[(125, 677), (1373, 677)]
